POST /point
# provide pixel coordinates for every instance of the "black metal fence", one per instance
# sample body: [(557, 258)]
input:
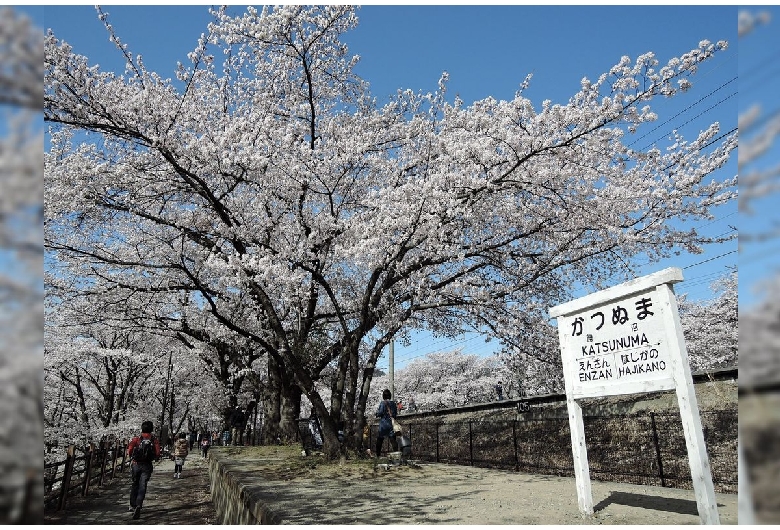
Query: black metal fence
[(642, 448)]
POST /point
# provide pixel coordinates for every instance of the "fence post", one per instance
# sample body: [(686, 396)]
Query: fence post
[(124, 457), (514, 439), (113, 459), (49, 479), (66, 474), (88, 468), (437, 443), (657, 449), (103, 460), (471, 447)]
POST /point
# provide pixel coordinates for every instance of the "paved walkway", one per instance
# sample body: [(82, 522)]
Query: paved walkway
[(168, 500)]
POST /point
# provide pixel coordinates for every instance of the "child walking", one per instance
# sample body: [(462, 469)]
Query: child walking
[(180, 451), (204, 445)]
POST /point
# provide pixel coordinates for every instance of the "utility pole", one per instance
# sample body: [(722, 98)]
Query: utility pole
[(392, 369), (165, 396)]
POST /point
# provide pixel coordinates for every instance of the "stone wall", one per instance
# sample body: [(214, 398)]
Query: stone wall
[(232, 498), (714, 391)]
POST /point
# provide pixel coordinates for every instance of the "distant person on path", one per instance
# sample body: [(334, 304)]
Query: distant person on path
[(237, 425), (180, 451), (315, 430), (366, 436), (205, 443), (143, 451), (500, 391), (387, 409)]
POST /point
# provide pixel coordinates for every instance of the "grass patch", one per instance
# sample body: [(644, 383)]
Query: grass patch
[(285, 462)]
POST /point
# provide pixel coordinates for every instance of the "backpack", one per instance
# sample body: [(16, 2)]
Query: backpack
[(144, 452)]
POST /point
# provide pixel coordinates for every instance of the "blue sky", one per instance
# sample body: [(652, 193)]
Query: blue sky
[(759, 70), (10, 265), (488, 51)]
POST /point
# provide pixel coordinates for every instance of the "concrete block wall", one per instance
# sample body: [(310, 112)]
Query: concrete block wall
[(234, 503)]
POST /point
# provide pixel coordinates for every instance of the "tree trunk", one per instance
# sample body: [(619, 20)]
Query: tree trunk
[(273, 401), (350, 429), (360, 412), (290, 411), (337, 385)]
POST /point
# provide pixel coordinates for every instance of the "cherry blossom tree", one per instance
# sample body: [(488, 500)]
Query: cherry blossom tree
[(711, 327), (269, 179), (444, 380), (98, 383), (104, 381), (21, 188), (106, 373), (226, 358)]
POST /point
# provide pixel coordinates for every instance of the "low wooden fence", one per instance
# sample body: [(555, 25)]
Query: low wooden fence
[(82, 469)]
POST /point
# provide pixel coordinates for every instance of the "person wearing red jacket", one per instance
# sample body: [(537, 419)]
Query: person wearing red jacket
[(141, 467)]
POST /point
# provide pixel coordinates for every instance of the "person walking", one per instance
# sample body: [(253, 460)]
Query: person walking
[(387, 410), (181, 448), (315, 430), (205, 443), (143, 451), (237, 426)]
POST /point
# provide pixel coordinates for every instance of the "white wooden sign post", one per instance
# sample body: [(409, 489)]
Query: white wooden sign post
[(626, 340)]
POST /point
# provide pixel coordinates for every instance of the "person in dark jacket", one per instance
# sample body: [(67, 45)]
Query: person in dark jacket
[(141, 471), (237, 426), (205, 443), (387, 410), (500, 391)]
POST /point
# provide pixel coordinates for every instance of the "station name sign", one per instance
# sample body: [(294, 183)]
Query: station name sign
[(614, 342), (628, 340)]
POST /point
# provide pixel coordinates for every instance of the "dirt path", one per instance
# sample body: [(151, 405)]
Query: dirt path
[(298, 490), (168, 501), (429, 494)]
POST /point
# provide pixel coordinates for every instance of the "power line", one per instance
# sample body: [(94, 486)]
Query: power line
[(710, 259), (452, 346), (687, 109)]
